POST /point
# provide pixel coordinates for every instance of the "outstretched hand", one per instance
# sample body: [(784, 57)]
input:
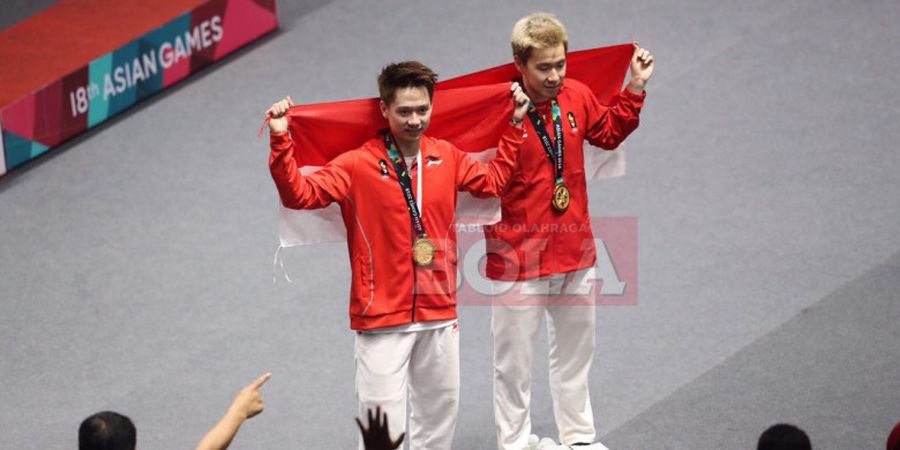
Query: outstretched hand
[(641, 68), (377, 436)]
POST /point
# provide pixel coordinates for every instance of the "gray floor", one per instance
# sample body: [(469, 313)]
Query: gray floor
[(136, 263)]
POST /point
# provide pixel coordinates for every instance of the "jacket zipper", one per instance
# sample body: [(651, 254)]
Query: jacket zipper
[(414, 294), (413, 311)]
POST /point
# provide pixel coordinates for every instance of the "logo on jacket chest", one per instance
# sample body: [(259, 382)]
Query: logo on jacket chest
[(385, 170)]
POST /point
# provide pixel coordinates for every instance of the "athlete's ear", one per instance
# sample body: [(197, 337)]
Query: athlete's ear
[(520, 65)]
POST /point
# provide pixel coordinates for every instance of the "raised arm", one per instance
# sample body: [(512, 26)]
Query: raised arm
[(610, 125), (489, 180), (246, 404), (330, 184)]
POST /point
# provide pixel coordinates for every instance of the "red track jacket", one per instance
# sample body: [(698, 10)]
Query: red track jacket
[(533, 239), (388, 289)]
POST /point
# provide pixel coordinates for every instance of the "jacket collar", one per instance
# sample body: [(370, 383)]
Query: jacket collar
[(428, 145)]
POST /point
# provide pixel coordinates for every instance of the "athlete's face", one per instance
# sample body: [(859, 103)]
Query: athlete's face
[(544, 72), (409, 114)]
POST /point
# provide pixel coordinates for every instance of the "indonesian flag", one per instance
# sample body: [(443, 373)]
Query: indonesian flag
[(470, 111)]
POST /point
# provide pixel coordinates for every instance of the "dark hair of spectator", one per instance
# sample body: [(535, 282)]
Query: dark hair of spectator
[(784, 437), (107, 430)]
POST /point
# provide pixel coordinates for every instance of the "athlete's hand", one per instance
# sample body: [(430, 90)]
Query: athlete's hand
[(641, 68), (277, 121), (521, 102)]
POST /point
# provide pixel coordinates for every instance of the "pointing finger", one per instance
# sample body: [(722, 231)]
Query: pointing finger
[(261, 380)]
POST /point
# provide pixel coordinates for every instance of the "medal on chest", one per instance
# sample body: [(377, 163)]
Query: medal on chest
[(423, 250), (561, 195)]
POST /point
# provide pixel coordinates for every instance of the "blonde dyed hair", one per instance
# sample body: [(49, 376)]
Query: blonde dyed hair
[(537, 30)]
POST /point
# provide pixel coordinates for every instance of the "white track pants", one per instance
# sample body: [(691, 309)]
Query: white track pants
[(571, 334), (421, 366)]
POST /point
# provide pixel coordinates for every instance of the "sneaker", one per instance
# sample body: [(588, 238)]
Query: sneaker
[(532, 442), (547, 444), (584, 446)]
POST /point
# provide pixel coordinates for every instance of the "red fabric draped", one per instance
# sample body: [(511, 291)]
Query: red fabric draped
[(470, 111)]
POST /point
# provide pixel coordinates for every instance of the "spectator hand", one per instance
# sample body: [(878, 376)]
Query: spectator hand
[(249, 401), (377, 436)]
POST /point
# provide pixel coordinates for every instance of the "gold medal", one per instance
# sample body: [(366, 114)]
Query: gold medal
[(561, 198), (423, 251)]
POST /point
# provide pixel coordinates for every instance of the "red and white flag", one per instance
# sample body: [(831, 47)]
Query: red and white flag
[(470, 111)]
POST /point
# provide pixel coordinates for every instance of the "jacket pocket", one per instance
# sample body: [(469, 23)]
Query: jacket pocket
[(362, 291)]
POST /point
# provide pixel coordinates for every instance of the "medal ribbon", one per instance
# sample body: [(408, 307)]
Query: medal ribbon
[(555, 154), (405, 184)]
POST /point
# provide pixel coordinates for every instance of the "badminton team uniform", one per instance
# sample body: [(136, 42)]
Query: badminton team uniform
[(544, 245), (399, 216)]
